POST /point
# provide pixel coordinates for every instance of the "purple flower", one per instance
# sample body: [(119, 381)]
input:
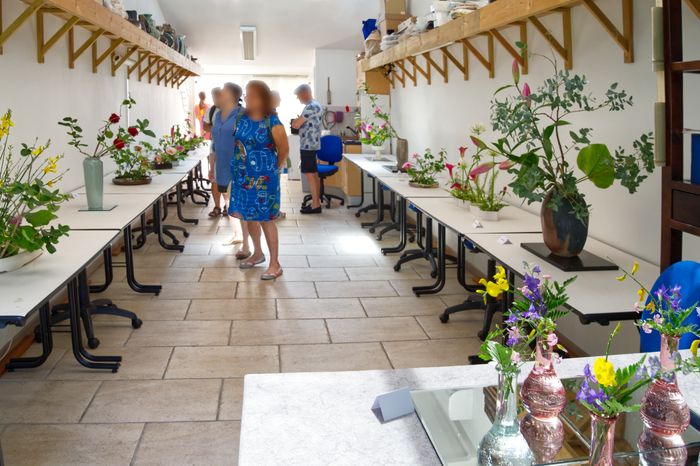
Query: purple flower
[(654, 366), (536, 269), (513, 336), (646, 328), (512, 318)]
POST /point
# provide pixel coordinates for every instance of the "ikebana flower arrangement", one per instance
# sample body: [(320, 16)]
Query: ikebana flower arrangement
[(460, 186), (376, 130), (533, 318), (663, 408), (133, 164), (109, 139), (424, 169), (538, 138), (28, 200), (175, 147)]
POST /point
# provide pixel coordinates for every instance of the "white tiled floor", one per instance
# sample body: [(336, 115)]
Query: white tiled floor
[(177, 397)]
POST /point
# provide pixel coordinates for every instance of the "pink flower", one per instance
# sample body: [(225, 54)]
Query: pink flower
[(556, 359), (377, 110), (658, 320), (170, 151), (505, 165), (546, 276), (415, 156), (382, 126), (369, 128), (638, 307), (552, 339), (481, 169), (478, 142), (180, 149), (526, 90), (449, 168), (515, 357), (462, 151), (16, 220), (646, 328), (406, 165), (456, 186), (516, 71)]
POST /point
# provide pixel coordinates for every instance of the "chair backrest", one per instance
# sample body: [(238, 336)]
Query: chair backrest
[(685, 274), (331, 149)]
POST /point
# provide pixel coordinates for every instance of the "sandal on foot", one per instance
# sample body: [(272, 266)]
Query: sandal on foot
[(271, 276), (216, 212), (224, 212), (240, 255), (250, 265)]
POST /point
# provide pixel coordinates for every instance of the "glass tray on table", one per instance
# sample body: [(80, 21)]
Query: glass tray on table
[(457, 419)]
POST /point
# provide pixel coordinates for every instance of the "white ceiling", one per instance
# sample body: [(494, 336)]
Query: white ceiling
[(288, 31)]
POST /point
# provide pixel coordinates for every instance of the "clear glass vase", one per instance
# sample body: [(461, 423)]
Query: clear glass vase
[(503, 444), (663, 408), (602, 440), (542, 392)]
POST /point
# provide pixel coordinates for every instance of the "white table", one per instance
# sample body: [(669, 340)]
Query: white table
[(595, 295), (160, 184), (372, 167), (309, 419)]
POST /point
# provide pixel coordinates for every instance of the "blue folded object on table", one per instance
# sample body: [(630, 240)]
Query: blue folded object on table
[(368, 26)]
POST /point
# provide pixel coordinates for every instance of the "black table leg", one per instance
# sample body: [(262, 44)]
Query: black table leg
[(402, 229), (474, 301), (180, 200), (158, 227), (107, 263), (46, 343), (440, 279), (129, 262)]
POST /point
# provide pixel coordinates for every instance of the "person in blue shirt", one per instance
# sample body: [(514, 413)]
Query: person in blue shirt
[(223, 148), (261, 150), (309, 126)]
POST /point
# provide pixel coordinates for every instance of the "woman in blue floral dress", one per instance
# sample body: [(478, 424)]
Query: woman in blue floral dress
[(261, 152)]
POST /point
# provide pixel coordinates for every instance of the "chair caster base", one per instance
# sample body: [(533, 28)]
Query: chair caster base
[(93, 343), (136, 323), (444, 318)]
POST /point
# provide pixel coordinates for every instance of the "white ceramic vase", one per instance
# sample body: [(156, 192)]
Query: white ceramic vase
[(490, 216), (12, 263), (377, 152)]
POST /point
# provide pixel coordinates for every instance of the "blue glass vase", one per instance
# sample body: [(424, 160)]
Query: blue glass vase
[(503, 444)]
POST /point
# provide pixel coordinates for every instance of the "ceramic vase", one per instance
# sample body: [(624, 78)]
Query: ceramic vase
[(488, 215), (377, 152), (563, 233), (93, 172), (503, 444), (663, 408), (542, 392), (602, 440), (12, 263)]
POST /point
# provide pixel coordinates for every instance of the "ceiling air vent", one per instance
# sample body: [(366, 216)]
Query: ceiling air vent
[(248, 42)]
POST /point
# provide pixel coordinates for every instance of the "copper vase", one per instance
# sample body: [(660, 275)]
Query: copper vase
[(542, 392), (663, 408)]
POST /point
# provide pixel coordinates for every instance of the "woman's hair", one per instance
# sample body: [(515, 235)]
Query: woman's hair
[(264, 93), (236, 90)]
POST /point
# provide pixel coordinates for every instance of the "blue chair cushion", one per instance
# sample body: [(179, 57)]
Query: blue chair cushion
[(326, 169), (331, 150)]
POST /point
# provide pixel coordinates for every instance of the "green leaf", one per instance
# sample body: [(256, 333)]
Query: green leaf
[(39, 218), (598, 164)]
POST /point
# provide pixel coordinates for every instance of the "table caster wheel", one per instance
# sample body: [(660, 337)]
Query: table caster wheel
[(93, 343), (371, 230), (187, 234), (136, 323), (357, 214), (433, 274), (397, 268), (444, 318)]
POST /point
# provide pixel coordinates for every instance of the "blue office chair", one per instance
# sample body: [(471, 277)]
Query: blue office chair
[(686, 274), (331, 152)]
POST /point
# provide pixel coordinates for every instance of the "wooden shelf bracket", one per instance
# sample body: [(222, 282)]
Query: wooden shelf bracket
[(694, 6), (462, 66), (442, 70), (565, 49), (624, 39), (42, 46), (74, 53), (97, 59), (489, 63), (416, 67), (118, 62), (156, 72), (517, 55), (152, 60), (142, 55), (406, 74), (6, 33)]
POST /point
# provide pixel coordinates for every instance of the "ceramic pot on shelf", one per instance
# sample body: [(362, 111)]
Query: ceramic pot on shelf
[(563, 233), (93, 171), (16, 262), (377, 152)]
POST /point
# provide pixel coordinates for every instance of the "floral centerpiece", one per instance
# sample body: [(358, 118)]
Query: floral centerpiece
[(532, 317), (28, 200), (376, 130), (663, 408), (460, 185), (133, 164), (423, 170), (175, 147), (534, 136)]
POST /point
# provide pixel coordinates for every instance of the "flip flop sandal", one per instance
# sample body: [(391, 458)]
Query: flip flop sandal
[(271, 276), (215, 212), (250, 265), (240, 255)]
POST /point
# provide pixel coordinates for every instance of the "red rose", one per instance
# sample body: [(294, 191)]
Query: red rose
[(119, 144), (114, 118), (133, 131)]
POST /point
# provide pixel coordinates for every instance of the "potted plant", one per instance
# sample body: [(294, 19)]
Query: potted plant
[(110, 137), (28, 201), (534, 136), (133, 165), (376, 131), (663, 408), (422, 172)]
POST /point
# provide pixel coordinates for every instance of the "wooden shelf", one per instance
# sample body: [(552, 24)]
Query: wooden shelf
[(153, 59), (489, 21)]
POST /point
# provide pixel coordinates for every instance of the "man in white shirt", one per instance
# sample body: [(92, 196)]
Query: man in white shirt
[(309, 126)]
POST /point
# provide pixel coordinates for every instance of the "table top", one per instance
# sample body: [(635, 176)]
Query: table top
[(24, 290), (128, 207), (372, 167), (453, 214), (186, 165), (310, 419), (400, 185), (594, 293), (160, 184)]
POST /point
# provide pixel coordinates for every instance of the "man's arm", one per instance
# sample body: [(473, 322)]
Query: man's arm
[(298, 122)]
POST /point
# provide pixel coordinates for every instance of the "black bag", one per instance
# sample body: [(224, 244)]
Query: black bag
[(291, 128)]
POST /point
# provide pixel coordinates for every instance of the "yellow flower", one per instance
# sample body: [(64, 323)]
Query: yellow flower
[(641, 294), (635, 267), (38, 150), (621, 278), (694, 348), (50, 184), (651, 306), (604, 372), (501, 274), (5, 124)]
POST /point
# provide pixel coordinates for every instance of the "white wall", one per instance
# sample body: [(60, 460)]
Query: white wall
[(339, 66), (440, 115), (41, 94)]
